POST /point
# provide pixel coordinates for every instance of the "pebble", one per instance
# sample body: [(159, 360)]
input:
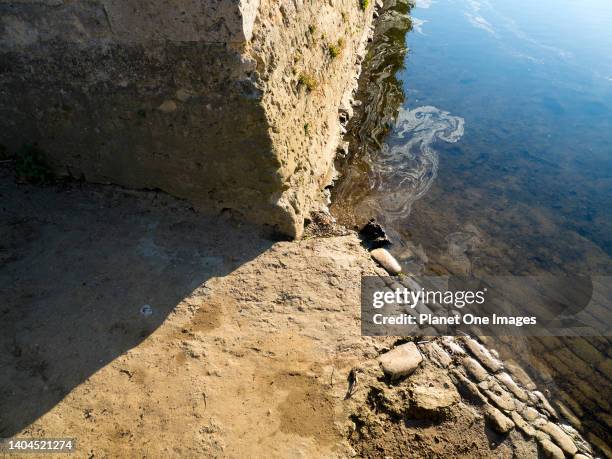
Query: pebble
[(500, 397), (482, 354), (520, 375), (401, 360), (560, 437), (499, 422), (450, 343), (519, 406), (543, 403), (468, 388), (522, 424), (568, 415), (168, 106), (507, 380), (530, 414), (475, 369), (386, 260), (183, 95), (551, 450), (438, 354)]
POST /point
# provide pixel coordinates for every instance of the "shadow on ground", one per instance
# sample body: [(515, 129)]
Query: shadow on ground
[(77, 265)]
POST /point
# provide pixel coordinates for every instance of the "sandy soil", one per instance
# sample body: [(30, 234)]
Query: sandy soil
[(247, 352), (247, 349)]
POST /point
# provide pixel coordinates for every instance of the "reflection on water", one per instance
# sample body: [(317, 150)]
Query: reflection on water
[(484, 145)]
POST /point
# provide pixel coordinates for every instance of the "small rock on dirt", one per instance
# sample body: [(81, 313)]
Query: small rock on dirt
[(168, 106), (468, 389), (507, 380), (432, 392), (499, 422), (401, 361), (438, 354)]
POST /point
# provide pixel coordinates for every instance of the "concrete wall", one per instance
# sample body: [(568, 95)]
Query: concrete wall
[(199, 98)]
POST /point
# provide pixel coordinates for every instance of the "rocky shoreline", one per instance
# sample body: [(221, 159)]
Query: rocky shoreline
[(242, 331), (460, 372)]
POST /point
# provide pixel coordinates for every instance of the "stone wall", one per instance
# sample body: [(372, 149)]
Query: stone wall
[(230, 104)]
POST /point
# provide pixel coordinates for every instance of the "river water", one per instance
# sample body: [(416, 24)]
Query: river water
[(483, 144)]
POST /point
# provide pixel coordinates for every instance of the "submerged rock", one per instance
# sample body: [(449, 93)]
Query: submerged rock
[(386, 260), (401, 361)]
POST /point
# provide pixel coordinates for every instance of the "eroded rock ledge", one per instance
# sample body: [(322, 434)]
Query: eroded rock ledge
[(230, 104)]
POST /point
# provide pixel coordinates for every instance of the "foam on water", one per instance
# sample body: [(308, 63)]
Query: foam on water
[(408, 163)]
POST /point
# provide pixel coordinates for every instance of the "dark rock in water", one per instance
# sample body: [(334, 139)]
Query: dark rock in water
[(374, 234)]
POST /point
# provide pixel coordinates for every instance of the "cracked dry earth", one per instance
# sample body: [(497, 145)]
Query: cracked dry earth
[(247, 352)]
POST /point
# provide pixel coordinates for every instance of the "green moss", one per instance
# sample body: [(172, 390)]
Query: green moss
[(335, 49), (307, 129), (30, 165), (363, 4), (307, 81), (312, 29)]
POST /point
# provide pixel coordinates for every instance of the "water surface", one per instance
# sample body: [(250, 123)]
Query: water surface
[(495, 151), (483, 143)]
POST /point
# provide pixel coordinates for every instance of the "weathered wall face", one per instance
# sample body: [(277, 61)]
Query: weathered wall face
[(199, 98), (308, 54)]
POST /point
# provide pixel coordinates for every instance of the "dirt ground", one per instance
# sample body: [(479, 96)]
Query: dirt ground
[(142, 329)]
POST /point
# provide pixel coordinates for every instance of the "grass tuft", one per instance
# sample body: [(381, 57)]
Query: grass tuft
[(308, 81)]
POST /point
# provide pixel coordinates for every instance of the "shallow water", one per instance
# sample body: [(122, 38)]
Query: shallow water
[(483, 143), (489, 144)]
